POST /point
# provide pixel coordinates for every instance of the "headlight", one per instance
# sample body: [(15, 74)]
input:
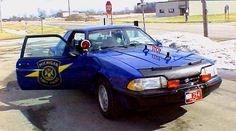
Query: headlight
[(147, 83), (209, 70)]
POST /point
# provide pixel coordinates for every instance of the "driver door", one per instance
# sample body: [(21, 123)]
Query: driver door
[(45, 64)]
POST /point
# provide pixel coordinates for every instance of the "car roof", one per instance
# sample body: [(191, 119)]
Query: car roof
[(94, 28)]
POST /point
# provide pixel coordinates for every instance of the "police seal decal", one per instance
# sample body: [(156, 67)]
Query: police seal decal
[(49, 74)]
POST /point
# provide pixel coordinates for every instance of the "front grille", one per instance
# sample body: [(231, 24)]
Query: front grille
[(190, 80)]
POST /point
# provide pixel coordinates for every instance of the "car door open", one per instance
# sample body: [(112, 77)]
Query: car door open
[(44, 63)]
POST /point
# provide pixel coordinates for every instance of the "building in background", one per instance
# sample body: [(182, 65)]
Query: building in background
[(65, 14), (180, 7), (171, 8)]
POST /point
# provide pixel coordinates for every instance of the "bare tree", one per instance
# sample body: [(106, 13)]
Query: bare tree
[(41, 13)]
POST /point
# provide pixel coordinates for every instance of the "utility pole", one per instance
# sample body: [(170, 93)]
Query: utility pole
[(186, 10), (69, 7), (226, 13), (142, 5), (1, 16), (204, 15), (41, 20)]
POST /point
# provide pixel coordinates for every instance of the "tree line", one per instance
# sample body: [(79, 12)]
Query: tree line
[(148, 8)]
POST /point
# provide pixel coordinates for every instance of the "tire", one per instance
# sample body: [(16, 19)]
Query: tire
[(108, 104)]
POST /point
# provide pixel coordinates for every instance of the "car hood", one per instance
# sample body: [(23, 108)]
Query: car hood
[(136, 58)]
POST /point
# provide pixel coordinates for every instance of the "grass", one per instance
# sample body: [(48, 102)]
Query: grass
[(34, 29), (5, 36), (46, 30), (31, 30), (177, 19)]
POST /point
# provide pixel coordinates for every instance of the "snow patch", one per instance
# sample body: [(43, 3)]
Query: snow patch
[(224, 53)]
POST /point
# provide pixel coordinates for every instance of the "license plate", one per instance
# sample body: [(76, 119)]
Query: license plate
[(193, 96)]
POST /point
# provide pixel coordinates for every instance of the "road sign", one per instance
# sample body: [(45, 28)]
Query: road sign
[(108, 8)]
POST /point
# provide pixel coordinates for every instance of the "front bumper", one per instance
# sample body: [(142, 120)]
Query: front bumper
[(149, 98)]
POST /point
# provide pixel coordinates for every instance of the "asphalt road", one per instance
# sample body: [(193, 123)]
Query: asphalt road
[(77, 110)]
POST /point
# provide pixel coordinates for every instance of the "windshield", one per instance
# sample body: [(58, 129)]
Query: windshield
[(114, 38)]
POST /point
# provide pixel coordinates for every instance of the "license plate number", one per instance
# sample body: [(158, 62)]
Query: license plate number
[(193, 96)]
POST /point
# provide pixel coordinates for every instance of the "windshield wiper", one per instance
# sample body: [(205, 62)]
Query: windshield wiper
[(135, 44), (108, 47)]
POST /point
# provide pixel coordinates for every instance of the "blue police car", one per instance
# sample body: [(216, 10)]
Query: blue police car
[(124, 65)]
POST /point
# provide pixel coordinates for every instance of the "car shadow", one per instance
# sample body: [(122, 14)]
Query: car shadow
[(78, 110)]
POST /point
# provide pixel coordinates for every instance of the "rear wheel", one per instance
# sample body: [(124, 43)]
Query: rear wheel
[(108, 104)]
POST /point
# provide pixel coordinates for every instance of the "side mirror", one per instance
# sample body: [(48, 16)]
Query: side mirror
[(158, 43)]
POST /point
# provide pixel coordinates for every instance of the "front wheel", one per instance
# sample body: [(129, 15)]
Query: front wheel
[(108, 104)]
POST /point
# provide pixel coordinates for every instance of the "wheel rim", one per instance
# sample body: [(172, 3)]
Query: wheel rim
[(103, 98)]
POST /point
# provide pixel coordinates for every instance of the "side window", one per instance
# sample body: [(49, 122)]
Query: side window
[(44, 47), (60, 48), (79, 36)]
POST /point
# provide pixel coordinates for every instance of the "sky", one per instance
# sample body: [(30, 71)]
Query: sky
[(28, 7)]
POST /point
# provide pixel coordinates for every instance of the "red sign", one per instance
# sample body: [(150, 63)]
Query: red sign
[(108, 8)]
